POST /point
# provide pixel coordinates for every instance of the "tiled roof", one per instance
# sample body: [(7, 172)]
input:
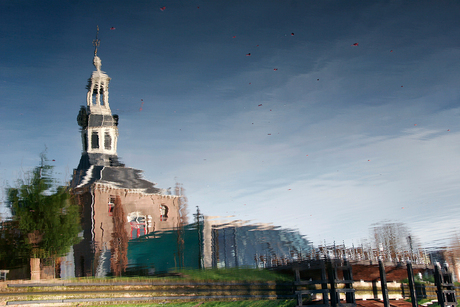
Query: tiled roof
[(107, 169)]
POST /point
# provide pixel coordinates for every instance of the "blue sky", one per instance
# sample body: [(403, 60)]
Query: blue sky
[(346, 136)]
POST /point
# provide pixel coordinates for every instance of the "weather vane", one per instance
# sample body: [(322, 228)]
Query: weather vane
[(96, 42)]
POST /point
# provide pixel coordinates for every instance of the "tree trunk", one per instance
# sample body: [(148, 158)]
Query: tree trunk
[(34, 268)]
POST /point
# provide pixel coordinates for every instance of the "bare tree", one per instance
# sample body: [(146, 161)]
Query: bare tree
[(183, 204), (119, 242), (452, 255), (393, 241), (183, 220)]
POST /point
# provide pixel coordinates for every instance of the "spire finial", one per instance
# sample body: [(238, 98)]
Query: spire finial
[(96, 42)]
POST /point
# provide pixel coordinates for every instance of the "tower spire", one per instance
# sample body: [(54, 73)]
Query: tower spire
[(99, 126), (97, 41)]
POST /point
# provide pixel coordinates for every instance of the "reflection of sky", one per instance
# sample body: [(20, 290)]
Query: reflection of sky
[(380, 126)]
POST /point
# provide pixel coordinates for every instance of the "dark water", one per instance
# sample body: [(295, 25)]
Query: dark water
[(307, 128)]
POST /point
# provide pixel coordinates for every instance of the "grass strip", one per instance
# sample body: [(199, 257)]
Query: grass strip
[(245, 303), (230, 274)]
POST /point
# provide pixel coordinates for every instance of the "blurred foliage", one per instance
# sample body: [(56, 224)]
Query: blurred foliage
[(424, 301), (424, 280), (46, 220), (13, 249)]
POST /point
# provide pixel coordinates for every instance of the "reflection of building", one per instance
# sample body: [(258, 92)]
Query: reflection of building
[(233, 244), (101, 182), (217, 244)]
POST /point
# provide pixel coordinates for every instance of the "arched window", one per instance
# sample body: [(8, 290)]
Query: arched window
[(95, 96), (101, 95), (163, 213), (138, 223)]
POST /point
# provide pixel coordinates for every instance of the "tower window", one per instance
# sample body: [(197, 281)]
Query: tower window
[(94, 100), (101, 95), (94, 140), (107, 141), (98, 94)]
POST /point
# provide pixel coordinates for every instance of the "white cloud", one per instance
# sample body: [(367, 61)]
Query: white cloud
[(335, 192)]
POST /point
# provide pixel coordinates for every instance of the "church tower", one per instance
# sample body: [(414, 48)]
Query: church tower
[(117, 203), (99, 131)]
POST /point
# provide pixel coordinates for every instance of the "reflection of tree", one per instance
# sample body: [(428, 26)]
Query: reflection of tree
[(13, 248), (119, 242), (183, 220), (392, 240), (452, 255), (183, 204), (45, 215)]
